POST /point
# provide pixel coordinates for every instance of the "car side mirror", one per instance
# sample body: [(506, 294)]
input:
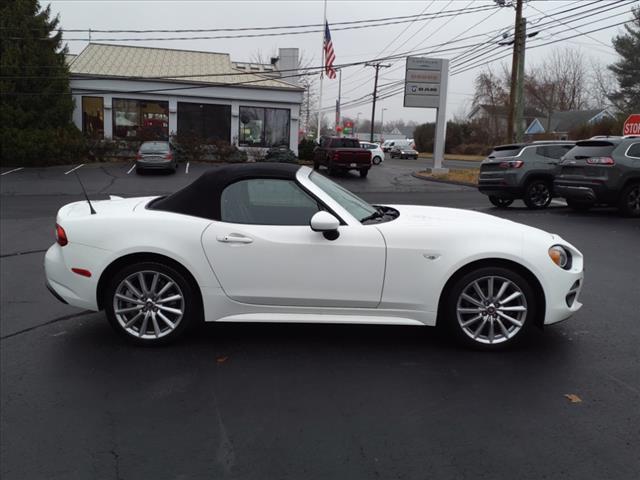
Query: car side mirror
[(326, 223)]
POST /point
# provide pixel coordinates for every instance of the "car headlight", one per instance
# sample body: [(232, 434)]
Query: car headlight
[(560, 256)]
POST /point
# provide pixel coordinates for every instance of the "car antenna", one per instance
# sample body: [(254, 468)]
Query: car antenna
[(93, 212)]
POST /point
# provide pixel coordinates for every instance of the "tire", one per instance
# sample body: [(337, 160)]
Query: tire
[(537, 194), (629, 203), (376, 160), (364, 172), (487, 326), (500, 202), (578, 206), (140, 320), (316, 165)]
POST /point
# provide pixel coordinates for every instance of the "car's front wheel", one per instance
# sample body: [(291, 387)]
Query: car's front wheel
[(500, 202), (377, 160), (629, 203), (149, 303), (490, 308)]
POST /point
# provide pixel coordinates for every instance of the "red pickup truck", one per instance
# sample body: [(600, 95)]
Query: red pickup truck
[(341, 154)]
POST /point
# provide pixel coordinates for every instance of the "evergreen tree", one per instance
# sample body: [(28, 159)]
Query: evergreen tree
[(627, 69), (35, 102)]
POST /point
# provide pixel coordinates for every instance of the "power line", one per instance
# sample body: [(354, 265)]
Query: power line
[(254, 35), (237, 29)]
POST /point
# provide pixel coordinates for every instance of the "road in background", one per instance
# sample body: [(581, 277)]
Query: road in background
[(313, 401)]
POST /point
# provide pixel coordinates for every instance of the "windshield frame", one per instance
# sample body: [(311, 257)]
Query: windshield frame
[(356, 206)]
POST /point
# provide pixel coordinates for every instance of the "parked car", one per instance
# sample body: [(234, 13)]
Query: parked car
[(156, 155), (377, 155), (340, 154), (523, 171), (604, 171), (275, 242), (404, 150)]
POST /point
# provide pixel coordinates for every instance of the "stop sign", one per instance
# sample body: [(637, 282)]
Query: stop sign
[(632, 125)]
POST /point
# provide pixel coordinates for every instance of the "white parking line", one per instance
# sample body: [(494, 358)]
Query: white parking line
[(11, 171), (186, 169), (561, 203), (131, 169), (74, 168)]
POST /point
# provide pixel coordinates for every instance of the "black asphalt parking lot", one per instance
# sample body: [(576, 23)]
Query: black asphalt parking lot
[(313, 401)]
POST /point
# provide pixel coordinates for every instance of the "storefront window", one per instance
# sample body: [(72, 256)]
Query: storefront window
[(207, 121), (93, 116), (264, 127), (140, 119)]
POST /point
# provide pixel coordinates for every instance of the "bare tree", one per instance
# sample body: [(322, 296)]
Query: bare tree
[(559, 83)]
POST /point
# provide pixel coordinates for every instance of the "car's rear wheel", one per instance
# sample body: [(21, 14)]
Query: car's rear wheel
[(149, 303), (364, 172), (316, 165), (376, 160), (537, 194), (500, 202), (629, 203), (490, 308)]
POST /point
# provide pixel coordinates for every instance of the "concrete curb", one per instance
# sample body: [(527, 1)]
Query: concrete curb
[(450, 182)]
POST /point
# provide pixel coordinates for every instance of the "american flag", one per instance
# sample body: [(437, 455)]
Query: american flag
[(329, 54)]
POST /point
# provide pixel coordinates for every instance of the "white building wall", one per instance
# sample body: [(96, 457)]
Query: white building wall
[(233, 96)]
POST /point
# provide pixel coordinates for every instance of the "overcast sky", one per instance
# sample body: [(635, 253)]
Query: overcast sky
[(356, 44)]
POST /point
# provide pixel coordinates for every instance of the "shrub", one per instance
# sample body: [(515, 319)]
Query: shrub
[(472, 149), (280, 154), (30, 147), (306, 148)]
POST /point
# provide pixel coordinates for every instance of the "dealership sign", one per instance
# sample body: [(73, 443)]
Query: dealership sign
[(632, 125), (425, 86)]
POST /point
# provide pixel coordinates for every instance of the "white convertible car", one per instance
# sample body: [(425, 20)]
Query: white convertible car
[(282, 243)]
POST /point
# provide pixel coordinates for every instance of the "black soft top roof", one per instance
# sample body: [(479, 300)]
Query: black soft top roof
[(201, 198)]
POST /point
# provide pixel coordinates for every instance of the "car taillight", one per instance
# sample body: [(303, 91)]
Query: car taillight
[(512, 164), (169, 156), (61, 236), (138, 156), (606, 161)]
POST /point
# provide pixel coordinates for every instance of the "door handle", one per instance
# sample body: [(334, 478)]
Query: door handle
[(234, 238)]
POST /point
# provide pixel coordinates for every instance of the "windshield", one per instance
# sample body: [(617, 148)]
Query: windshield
[(590, 149), (347, 200), (149, 147), (345, 143), (506, 151)]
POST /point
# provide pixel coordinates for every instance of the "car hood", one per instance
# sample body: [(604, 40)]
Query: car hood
[(422, 216)]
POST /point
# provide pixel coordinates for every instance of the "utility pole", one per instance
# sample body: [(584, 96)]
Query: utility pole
[(377, 66), (518, 40), (520, 82)]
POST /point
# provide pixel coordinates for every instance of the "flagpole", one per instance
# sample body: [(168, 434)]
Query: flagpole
[(324, 29)]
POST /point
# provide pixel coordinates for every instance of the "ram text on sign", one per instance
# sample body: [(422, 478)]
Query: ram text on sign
[(423, 89)]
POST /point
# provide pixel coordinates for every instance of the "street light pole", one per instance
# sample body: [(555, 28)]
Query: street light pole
[(382, 124), (355, 127)]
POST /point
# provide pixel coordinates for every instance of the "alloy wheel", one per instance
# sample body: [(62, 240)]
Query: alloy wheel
[(491, 310), (148, 304), (539, 195), (633, 200)]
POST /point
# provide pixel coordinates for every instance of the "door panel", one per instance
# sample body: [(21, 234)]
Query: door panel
[(295, 266)]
